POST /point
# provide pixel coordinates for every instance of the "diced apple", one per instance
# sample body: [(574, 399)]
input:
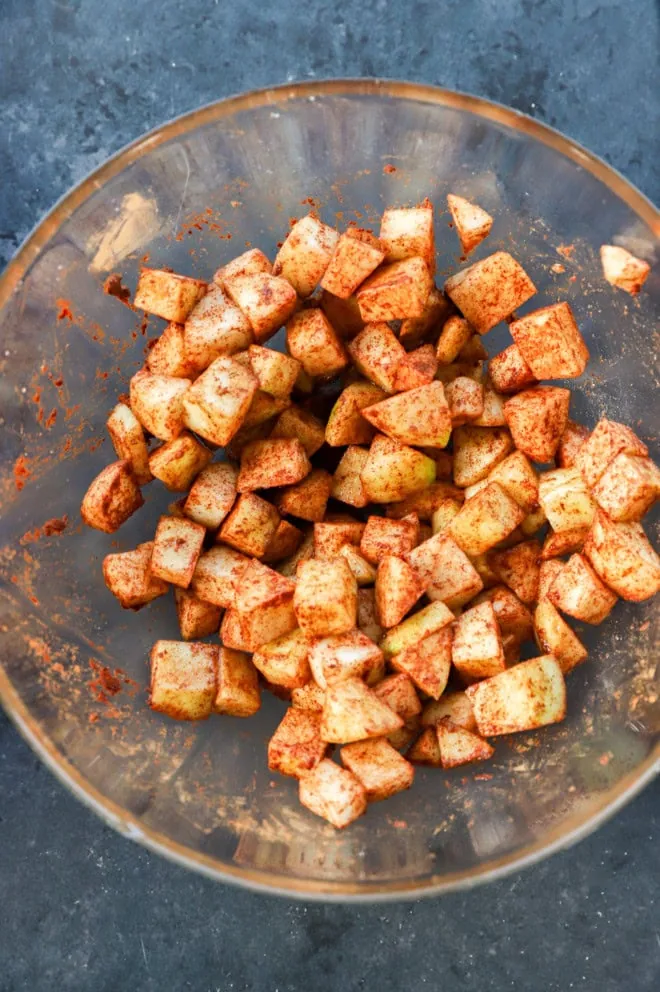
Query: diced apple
[(563, 542), (215, 328), (167, 294), (446, 511), (628, 488), (264, 606), (518, 568), (607, 440), (417, 369), (247, 264), (353, 712), (377, 353), (129, 442), (312, 340), (511, 614), (157, 402), (477, 450), (426, 749), (532, 694), (308, 697), (217, 403), (394, 471), (333, 793), (346, 482), (217, 576), (177, 463), (485, 520), (331, 536), (168, 355), (407, 232), (266, 300), (554, 636), (490, 290), (197, 619), (382, 537), (518, 478), (356, 255), (275, 372), (238, 685), (212, 495), (128, 577), (275, 462), (459, 746), (509, 372), (325, 599), (296, 746), (363, 570), (430, 620), (183, 679), (285, 661), (398, 691), (398, 588), (112, 498), (351, 655), (471, 221), (344, 315), (367, 616), (307, 499), (548, 572), (564, 496), (304, 552), (537, 419), (415, 329), (379, 767), (231, 634), (493, 412), (550, 342), (578, 591), (425, 502), (285, 541), (571, 441), (177, 547), (445, 571), (623, 557), (396, 291), (465, 398), (454, 705), (305, 255), (623, 269), (250, 525), (301, 424), (346, 425), (477, 648), (428, 661)]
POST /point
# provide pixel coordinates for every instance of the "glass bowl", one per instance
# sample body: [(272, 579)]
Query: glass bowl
[(74, 665)]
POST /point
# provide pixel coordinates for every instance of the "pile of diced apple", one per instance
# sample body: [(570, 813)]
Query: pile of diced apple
[(370, 544)]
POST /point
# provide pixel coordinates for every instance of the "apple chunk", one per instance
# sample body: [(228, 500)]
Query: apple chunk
[(471, 221), (419, 417), (490, 290), (532, 694)]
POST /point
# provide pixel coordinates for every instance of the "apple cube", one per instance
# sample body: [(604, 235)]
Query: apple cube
[(477, 648), (396, 291), (550, 342), (426, 749), (296, 746), (428, 661), (607, 440), (217, 576), (509, 372), (416, 628), (398, 588), (490, 290), (128, 577), (623, 269), (459, 746), (304, 552), (266, 300), (298, 423), (493, 411), (168, 355), (248, 264), (331, 536), (565, 499), (307, 499), (578, 591), (571, 441), (308, 697), (197, 619), (183, 679), (129, 442), (465, 398), (425, 501), (471, 221), (250, 525), (537, 419), (511, 614), (231, 633), (285, 541), (167, 294), (351, 655), (379, 767), (285, 661), (264, 606), (555, 637), (353, 712), (325, 599), (628, 488), (312, 340), (398, 691), (157, 402), (238, 685), (518, 568), (548, 572), (346, 482), (563, 542), (275, 372), (212, 495), (394, 471), (413, 330), (530, 695), (177, 547), (215, 328), (477, 450), (112, 498), (178, 462), (356, 255), (333, 793), (275, 462), (454, 705), (305, 254), (367, 615), (417, 417), (485, 520), (445, 512), (417, 369), (445, 571), (377, 353), (217, 403), (407, 232), (363, 570), (622, 556), (382, 537)]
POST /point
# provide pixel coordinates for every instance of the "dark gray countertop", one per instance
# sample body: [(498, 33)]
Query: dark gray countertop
[(82, 908)]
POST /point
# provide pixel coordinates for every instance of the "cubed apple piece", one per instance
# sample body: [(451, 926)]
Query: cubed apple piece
[(555, 637), (578, 591), (356, 255), (129, 442), (548, 572), (249, 263), (571, 441), (353, 712), (312, 340), (285, 541), (518, 568), (425, 501), (167, 294), (445, 512), (493, 411), (398, 691), (454, 705), (301, 424), (511, 614), (446, 573), (212, 495), (238, 692), (465, 399), (533, 522), (456, 332), (307, 499), (426, 749), (563, 542), (344, 315), (427, 662), (382, 537), (183, 679), (112, 498), (396, 291), (177, 463), (471, 221), (128, 577), (628, 488), (398, 588), (351, 655), (296, 746), (346, 425), (231, 634), (363, 570), (414, 330), (477, 450), (509, 372), (266, 300), (407, 232), (346, 482), (333, 793), (410, 632), (157, 402), (565, 499), (264, 605), (377, 353), (477, 648), (623, 557), (459, 746), (177, 547), (275, 462), (417, 369), (485, 520), (217, 576), (325, 599), (537, 419), (250, 525), (217, 403), (395, 470), (607, 440), (305, 255), (197, 619), (367, 616), (308, 697), (532, 694), (517, 477), (215, 328), (550, 342), (285, 661), (623, 269), (381, 769), (490, 290), (332, 535), (275, 372), (168, 355)]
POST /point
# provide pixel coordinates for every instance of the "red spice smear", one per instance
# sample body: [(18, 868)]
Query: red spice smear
[(51, 418), (65, 310), (105, 684), (51, 528), (21, 472), (389, 169)]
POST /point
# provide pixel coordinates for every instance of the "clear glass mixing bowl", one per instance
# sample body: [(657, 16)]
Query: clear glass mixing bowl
[(74, 665)]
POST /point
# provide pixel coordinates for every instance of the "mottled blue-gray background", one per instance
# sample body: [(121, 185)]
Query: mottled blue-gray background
[(82, 908)]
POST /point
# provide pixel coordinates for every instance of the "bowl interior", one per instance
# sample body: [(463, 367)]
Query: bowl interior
[(191, 197)]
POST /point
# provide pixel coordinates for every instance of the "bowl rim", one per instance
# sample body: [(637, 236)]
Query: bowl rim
[(562, 836)]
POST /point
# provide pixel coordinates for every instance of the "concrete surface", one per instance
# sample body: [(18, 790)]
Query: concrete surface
[(80, 907)]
